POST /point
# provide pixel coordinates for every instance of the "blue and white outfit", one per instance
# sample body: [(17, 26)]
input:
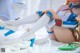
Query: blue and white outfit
[(68, 20)]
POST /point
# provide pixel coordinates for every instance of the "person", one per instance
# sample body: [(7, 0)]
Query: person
[(64, 33), (60, 24)]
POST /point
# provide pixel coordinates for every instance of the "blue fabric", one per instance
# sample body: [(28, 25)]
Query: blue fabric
[(9, 32), (49, 14), (70, 22), (32, 42), (77, 6), (39, 13), (50, 32), (72, 6), (72, 17), (2, 27)]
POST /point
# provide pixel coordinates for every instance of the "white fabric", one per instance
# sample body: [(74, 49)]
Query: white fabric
[(57, 4), (7, 26), (50, 24), (69, 26), (64, 15), (39, 24), (29, 19), (12, 38), (45, 4), (20, 1), (23, 33), (43, 48)]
